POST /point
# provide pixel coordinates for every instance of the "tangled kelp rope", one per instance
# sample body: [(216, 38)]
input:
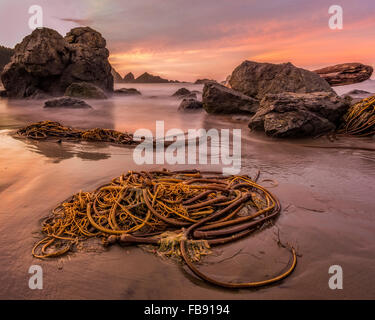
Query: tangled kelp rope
[(51, 129), (181, 213), (360, 119)]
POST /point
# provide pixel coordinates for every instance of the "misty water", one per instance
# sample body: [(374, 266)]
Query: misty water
[(326, 195)]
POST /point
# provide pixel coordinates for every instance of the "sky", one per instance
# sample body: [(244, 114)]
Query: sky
[(191, 39)]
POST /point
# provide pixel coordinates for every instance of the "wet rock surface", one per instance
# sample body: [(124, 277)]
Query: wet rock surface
[(190, 104), (127, 91), (85, 90)]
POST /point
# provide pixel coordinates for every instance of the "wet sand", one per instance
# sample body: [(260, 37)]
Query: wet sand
[(326, 195)]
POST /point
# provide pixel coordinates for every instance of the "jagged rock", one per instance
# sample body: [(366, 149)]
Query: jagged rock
[(67, 102), (257, 79), (219, 99), (129, 77), (46, 62), (345, 73), (116, 76), (189, 104), (149, 78), (127, 91), (85, 90), (298, 114)]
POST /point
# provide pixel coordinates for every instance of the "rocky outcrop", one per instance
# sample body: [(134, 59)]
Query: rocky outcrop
[(219, 99), (85, 90), (258, 79), (204, 81), (346, 73), (116, 76), (190, 104), (66, 102), (46, 62), (149, 78), (127, 91), (129, 77), (299, 115)]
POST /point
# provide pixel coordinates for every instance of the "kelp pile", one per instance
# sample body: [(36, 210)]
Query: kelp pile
[(51, 129), (181, 213), (360, 119)]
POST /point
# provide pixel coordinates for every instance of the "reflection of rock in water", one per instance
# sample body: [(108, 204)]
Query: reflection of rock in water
[(58, 152)]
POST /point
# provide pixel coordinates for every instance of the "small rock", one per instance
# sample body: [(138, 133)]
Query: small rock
[(181, 92), (127, 91), (85, 90), (189, 104), (67, 102)]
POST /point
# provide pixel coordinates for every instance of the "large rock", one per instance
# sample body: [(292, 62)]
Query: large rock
[(298, 114), (219, 99), (345, 73), (85, 90), (190, 104), (46, 62), (258, 79), (66, 102)]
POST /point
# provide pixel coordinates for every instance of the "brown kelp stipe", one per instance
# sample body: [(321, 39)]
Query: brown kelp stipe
[(360, 119), (50, 129), (181, 213)]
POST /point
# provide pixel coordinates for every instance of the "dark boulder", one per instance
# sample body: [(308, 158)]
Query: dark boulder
[(46, 62), (85, 90), (299, 115), (181, 92), (189, 104), (345, 73), (127, 91), (66, 102), (222, 100), (258, 79)]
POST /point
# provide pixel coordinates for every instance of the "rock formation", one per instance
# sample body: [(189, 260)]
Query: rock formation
[(45, 62), (346, 73), (127, 91), (257, 79), (129, 77), (66, 102), (299, 114), (149, 78), (116, 76), (85, 90), (190, 104), (219, 99)]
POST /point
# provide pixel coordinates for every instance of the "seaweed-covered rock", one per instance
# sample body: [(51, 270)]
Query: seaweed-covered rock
[(85, 90), (256, 79), (67, 102), (222, 100), (299, 115)]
